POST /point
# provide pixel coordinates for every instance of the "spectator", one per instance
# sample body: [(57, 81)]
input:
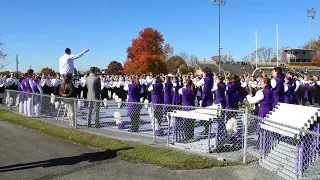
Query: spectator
[(94, 87), (67, 90)]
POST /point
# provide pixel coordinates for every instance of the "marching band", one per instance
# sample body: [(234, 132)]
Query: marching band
[(228, 90)]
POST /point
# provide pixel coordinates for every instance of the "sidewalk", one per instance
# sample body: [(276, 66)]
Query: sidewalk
[(26, 154)]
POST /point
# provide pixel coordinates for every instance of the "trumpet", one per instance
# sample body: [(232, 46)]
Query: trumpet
[(246, 75), (227, 73)]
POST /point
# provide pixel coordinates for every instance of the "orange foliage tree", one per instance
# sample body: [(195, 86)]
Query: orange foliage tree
[(316, 60), (146, 54), (114, 68), (48, 71)]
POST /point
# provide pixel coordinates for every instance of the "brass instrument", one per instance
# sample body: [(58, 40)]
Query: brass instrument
[(227, 74), (246, 75)]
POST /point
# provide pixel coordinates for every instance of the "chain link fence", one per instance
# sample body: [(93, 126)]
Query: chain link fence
[(234, 135)]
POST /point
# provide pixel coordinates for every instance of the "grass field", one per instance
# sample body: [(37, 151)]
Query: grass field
[(135, 152)]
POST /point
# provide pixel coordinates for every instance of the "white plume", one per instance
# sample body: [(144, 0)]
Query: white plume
[(109, 94), (80, 103), (127, 98), (155, 124), (231, 126), (119, 101), (57, 105), (141, 100), (7, 100), (151, 114), (116, 97), (196, 102), (117, 117), (53, 98), (10, 101), (105, 102), (200, 103), (171, 120), (146, 103), (17, 100), (113, 96)]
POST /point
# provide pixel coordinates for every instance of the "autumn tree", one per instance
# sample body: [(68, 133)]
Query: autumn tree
[(223, 57), (316, 60), (174, 63), (3, 60), (97, 69), (114, 68), (189, 59), (146, 54), (315, 46), (168, 51), (48, 71)]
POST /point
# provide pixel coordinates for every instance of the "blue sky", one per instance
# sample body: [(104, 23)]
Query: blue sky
[(39, 31)]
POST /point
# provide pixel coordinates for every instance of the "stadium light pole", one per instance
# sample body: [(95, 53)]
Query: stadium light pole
[(311, 13), (219, 3), (17, 65)]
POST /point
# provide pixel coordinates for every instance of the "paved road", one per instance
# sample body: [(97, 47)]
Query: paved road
[(25, 154)]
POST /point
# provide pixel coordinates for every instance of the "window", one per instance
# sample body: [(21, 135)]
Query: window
[(296, 52), (303, 53)]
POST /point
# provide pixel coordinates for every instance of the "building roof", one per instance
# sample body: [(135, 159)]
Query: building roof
[(297, 49)]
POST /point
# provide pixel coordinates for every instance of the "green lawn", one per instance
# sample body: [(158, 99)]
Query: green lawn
[(135, 152)]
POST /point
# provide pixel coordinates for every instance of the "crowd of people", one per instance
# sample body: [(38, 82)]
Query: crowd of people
[(203, 90)]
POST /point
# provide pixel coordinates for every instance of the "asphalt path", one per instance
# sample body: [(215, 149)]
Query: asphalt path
[(26, 154)]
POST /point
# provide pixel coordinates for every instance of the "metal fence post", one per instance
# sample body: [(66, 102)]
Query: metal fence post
[(75, 113), (154, 124), (245, 135), (8, 99)]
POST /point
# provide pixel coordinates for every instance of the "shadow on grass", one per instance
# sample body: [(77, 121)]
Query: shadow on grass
[(63, 161)]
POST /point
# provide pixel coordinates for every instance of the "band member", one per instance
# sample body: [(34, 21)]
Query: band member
[(237, 84), (168, 90), (12, 82), (230, 93), (157, 89), (149, 81), (264, 96), (220, 92), (176, 86), (104, 88), (207, 97), (56, 83), (288, 91), (188, 96), (21, 94), (28, 89), (295, 83), (37, 88), (46, 84), (135, 92), (277, 84)]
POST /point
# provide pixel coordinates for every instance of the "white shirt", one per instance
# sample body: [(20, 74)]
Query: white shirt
[(11, 81), (273, 83), (297, 85), (257, 98), (66, 64), (56, 82), (40, 88)]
